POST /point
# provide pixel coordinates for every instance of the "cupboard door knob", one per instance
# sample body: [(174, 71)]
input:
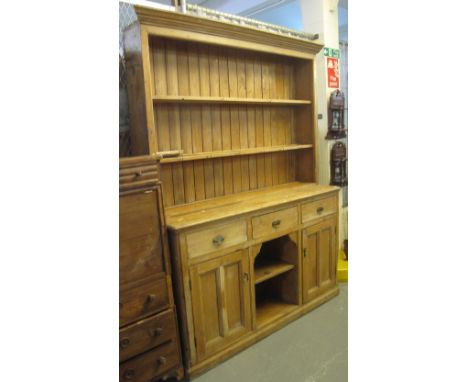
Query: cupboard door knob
[(124, 342), (276, 223), (246, 276), (162, 361), (319, 210), (129, 374), (218, 240), (150, 298), (156, 332)]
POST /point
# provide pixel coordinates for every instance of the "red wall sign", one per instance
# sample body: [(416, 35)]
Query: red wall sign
[(333, 70)]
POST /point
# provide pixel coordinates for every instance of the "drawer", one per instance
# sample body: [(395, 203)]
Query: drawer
[(318, 208), (142, 299), (147, 334), (138, 215), (150, 365), (274, 221), (216, 237), (140, 257)]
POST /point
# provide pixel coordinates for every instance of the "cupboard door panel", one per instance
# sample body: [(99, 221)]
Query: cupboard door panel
[(325, 255), (233, 281), (319, 260), (310, 277), (221, 302)]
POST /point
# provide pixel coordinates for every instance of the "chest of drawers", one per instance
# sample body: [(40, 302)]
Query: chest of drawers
[(149, 341)]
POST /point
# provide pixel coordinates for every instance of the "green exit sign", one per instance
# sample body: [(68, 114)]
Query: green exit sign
[(330, 52)]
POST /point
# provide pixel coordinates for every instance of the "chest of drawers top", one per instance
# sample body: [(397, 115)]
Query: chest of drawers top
[(206, 211)]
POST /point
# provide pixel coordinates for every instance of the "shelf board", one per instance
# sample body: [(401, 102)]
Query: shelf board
[(268, 270), (271, 310), (229, 100), (236, 152)]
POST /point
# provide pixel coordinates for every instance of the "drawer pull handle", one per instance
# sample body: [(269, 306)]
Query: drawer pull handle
[(129, 374), (276, 223), (218, 240), (124, 342), (319, 210), (162, 361), (155, 332), (151, 298)]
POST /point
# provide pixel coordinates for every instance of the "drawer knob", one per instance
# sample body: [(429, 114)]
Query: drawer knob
[(276, 223), (151, 298), (319, 210), (218, 240), (156, 332), (124, 342), (162, 361), (129, 374)]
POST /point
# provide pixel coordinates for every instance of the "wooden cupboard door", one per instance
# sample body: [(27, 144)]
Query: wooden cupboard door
[(221, 301), (319, 259)]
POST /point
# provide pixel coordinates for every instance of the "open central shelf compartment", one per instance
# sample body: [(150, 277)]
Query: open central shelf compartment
[(276, 279)]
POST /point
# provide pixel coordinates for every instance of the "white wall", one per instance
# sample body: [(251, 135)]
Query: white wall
[(321, 16)]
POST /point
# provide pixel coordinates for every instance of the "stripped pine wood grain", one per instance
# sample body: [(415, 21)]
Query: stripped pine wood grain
[(174, 124), (195, 112), (244, 139), (267, 123), (161, 114), (157, 59), (275, 127), (251, 130), (202, 72), (185, 121), (259, 122), (225, 120), (206, 122), (229, 109), (216, 120), (235, 128)]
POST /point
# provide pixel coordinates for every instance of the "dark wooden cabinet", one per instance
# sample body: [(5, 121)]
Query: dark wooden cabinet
[(149, 340)]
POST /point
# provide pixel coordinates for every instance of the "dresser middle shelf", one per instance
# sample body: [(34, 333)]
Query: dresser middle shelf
[(232, 152), (228, 100)]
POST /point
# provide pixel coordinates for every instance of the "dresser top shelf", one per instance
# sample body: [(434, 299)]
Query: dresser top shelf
[(205, 211)]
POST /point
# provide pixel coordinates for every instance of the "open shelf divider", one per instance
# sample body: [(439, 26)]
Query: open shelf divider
[(269, 270)]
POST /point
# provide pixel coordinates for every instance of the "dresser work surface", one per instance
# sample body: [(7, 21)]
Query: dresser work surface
[(188, 215)]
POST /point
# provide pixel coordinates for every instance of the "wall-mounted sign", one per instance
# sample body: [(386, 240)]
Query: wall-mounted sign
[(333, 72), (330, 52)]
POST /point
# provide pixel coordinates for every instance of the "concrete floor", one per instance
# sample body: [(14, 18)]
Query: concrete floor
[(313, 348)]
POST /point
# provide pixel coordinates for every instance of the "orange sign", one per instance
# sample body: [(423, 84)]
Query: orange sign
[(333, 71)]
